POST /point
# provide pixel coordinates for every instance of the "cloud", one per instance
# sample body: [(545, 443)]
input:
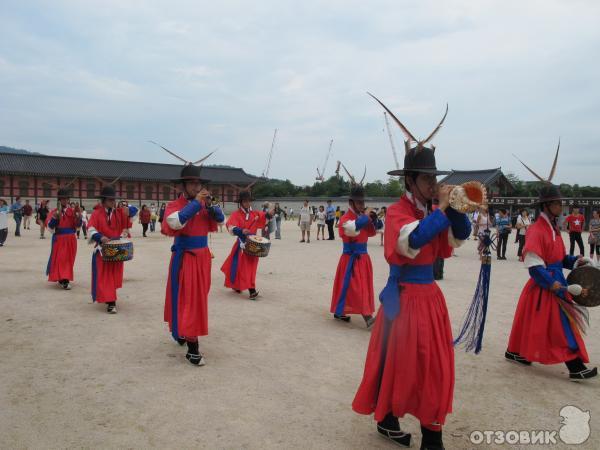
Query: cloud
[(79, 77)]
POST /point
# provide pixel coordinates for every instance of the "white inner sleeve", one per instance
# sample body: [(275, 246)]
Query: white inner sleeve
[(350, 228), (454, 243), (402, 246), (173, 221), (532, 260), (91, 232)]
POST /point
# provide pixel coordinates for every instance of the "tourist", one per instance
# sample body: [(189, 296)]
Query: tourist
[(305, 219), (338, 215), (153, 217), (278, 216), (27, 213), (145, 219), (321, 217), (381, 215), (41, 216), (594, 237), (330, 211), (17, 210), (503, 227), (3, 221), (84, 221), (575, 223), (523, 223)]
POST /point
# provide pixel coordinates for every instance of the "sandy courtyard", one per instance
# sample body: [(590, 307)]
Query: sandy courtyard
[(280, 373)]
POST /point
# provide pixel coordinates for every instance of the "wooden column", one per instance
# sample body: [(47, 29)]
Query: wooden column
[(140, 193), (12, 189), (35, 187)]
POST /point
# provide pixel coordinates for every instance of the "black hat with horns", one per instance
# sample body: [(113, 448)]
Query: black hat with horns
[(190, 171), (357, 190), (548, 192), (419, 158)]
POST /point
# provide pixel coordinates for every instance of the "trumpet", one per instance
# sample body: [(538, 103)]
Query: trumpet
[(468, 197)]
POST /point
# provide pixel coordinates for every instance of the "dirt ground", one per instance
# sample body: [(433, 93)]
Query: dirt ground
[(280, 373)]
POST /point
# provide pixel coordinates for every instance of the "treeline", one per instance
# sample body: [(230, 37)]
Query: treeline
[(332, 187), (531, 189)]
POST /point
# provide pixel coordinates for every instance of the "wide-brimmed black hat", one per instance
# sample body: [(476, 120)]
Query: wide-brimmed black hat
[(357, 193), (549, 193), (417, 157), (63, 193), (244, 195), (107, 192), (419, 160), (190, 173)]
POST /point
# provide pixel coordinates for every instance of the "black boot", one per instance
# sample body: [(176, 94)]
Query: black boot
[(342, 318), (516, 358), (193, 355), (253, 293), (111, 307), (578, 370), (369, 321), (389, 428), (432, 440)]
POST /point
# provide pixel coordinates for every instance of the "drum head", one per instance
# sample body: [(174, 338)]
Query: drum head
[(259, 239), (589, 278)]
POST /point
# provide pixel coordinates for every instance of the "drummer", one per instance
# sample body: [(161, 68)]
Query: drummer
[(189, 219), (353, 285), (240, 268), (63, 221), (547, 327), (107, 223)]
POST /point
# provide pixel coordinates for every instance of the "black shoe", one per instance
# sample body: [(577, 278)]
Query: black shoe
[(398, 437), (584, 374), (253, 294), (369, 321), (516, 358), (197, 360), (342, 318), (238, 291), (111, 308), (181, 341), (432, 440)]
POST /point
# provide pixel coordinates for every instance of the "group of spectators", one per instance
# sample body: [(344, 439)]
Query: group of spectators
[(504, 224)]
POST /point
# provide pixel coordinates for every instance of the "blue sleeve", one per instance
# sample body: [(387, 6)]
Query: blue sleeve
[(361, 222), (542, 278), (460, 224), (97, 237), (216, 213), (568, 262), (53, 222), (132, 211), (189, 210), (428, 228), (237, 231)]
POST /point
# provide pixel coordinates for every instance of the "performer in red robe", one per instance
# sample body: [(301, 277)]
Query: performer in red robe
[(107, 223), (63, 222), (240, 268), (189, 219), (353, 284), (547, 327), (409, 367)]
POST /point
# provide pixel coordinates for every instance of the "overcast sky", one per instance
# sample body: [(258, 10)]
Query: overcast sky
[(100, 79)]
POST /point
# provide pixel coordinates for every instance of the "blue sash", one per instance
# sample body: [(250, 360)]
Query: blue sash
[(180, 246), (390, 295), (354, 249), (56, 233), (557, 273)]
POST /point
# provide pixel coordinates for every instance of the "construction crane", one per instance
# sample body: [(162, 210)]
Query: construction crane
[(265, 173), (387, 126), (321, 173), (337, 169)]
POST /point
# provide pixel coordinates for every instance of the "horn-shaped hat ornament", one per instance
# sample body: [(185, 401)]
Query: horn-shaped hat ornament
[(244, 193), (63, 191), (352, 178), (357, 190), (190, 170), (417, 158), (548, 192)]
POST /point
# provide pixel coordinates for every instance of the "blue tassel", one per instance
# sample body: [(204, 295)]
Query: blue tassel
[(471, 332)]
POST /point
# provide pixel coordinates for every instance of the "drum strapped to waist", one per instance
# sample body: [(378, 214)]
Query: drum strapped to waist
[(117, 251), (257, 246), (588, 278)]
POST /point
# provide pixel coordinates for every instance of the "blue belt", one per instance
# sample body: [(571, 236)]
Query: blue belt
[(180, 246), (390, 295), (56, 233), (557, 273), (354, 249)]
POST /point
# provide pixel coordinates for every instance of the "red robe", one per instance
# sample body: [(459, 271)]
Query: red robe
[(245, 276), (409, 367), (107, 277), (359, 295), (538, 333), (194, 275), (64, 245)]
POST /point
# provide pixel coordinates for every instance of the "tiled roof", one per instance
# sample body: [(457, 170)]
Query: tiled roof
[(487, 176), (61, 166)]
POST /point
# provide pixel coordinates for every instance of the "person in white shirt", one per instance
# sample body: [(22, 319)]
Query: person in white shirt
[(523, 223), (305, 219), (321, 217), (3, 221)]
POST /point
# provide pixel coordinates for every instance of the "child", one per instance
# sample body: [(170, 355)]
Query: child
[(321, 216)]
